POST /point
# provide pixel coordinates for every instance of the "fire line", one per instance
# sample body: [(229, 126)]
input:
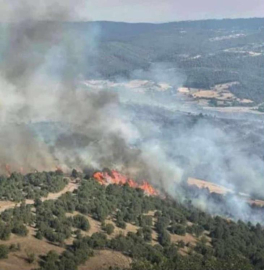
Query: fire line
[(117, 178)]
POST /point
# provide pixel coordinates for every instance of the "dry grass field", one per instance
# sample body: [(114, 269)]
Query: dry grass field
[(221, 94), (211, 186), (103, 259), (29, 244)]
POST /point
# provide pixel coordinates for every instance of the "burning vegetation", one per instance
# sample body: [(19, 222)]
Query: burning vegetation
[(104, 177), (107, 177)]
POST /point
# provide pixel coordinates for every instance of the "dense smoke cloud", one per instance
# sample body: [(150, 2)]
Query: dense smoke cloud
[(183, 144), (41, 70), (50, 118), (40, 65)]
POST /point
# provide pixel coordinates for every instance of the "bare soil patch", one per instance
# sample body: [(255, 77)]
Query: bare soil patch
[(187, 239), (104, 259), (30, 244)]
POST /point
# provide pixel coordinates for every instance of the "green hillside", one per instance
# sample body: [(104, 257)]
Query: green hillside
[(153, 231)]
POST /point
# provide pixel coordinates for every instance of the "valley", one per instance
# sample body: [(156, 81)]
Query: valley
[(130, 146)]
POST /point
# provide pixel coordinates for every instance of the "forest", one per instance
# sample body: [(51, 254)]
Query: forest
[(203, 53), (220, 242), (18, 187)]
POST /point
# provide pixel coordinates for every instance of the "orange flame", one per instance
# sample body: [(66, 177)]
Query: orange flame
[(117, 178)]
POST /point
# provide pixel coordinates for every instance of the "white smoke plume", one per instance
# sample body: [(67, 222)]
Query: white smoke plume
[(44, 61), (40, 73)]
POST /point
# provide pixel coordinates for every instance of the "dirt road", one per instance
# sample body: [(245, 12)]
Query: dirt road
[(4, 205)]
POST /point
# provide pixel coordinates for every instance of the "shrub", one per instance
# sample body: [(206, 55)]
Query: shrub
[(109, 228), (3, 252)]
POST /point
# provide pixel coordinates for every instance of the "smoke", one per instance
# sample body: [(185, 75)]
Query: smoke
[(176, 145), (41, 63), (50, 10), (49, 118)]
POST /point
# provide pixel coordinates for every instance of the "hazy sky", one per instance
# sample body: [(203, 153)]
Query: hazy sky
[(129, 10), (171, 10)]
